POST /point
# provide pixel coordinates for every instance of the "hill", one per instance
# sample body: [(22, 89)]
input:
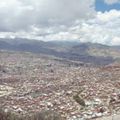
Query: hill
[(96, 54)]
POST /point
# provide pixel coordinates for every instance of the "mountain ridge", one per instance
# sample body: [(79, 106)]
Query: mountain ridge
[(93, 53)]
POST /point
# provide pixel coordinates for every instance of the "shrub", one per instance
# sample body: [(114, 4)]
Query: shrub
[(9, 116), (79, 100), (44, 115)]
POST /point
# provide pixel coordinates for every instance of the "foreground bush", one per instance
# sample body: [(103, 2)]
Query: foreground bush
[(79, 100), (9, 116), (44, 115)]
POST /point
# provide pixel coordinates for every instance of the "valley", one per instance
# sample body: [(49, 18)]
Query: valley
[(36, 82)]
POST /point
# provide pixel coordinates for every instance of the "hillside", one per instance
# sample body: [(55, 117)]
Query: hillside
[(95, 54), (31, 83)]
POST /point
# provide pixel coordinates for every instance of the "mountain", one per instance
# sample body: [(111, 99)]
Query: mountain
[(96, 54)]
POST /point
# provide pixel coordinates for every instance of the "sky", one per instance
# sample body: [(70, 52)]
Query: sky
[(96, 21)]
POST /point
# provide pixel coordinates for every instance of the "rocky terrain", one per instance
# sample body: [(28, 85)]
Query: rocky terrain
[(78, 91)]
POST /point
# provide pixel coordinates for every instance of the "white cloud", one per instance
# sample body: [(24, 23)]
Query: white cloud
[(112, 1), (105, 28), (116, 40), (59, 20), (100, 30), (16, 15), (108, 16)]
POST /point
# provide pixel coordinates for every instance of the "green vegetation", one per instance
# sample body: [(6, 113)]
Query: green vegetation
[(79, 100)]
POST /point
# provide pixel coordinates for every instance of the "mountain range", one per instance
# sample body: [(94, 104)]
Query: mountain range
[(92, 53)]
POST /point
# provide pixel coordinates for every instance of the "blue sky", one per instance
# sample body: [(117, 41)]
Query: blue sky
[(102, 6)]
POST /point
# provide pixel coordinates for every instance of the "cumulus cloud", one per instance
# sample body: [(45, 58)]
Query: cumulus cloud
[(59, 20), (104, 28), (116, 40), (110, 2), (108, 16), (16, 15)]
